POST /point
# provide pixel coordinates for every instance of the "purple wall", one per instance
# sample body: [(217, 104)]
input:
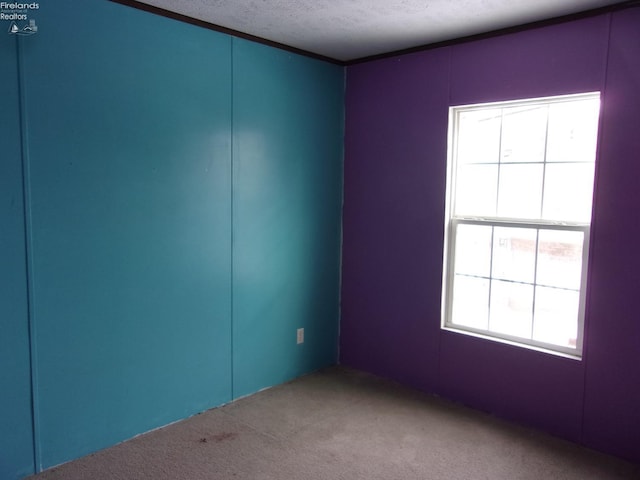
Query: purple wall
[(395, 167), (612, 396)]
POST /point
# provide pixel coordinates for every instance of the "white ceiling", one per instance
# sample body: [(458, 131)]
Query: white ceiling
[(351, 29)]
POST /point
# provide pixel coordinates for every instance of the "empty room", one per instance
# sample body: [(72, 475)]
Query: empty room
[(321, 239)]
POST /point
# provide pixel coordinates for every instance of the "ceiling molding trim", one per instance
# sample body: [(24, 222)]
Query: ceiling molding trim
[(211, 26), (497, 33)]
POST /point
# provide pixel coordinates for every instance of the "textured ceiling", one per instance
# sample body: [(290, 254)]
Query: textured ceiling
[(351, 29)]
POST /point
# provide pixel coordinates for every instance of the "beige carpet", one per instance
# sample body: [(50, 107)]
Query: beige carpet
[(341, 424)]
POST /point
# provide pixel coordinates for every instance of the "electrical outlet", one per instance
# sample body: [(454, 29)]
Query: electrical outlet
[(300, 338)]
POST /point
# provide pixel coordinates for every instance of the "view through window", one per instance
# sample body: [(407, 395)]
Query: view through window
[(520, 187)]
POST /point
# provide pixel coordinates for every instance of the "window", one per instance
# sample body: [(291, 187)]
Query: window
[(519, 193)]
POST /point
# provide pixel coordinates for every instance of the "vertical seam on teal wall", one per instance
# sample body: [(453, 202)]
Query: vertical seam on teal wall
[(26, 198), (232, 220)]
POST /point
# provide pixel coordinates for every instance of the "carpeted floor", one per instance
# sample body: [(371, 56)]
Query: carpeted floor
[(342, 424)]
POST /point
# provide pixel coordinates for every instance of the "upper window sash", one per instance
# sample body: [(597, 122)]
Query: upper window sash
[(511, 159)]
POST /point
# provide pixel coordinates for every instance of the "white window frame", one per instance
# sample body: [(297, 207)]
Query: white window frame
[(452, 222)]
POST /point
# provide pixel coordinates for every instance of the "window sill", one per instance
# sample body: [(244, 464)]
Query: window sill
[(513, 343)]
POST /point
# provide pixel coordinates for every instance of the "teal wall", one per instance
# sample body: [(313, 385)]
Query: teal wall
[(16, 441), (129, 178), (287, 199), (183, 193)]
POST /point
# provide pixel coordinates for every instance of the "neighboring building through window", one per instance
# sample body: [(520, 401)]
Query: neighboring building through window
[(519, 194)]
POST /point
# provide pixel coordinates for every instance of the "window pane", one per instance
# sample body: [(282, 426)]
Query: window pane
[(470, 301), (473, 250), (479, 136), (568, 192), (514, 252), (476, 187), (560, 258), (511, 308), (556, 316), (520, 191), (573, 130), (524, 131)]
